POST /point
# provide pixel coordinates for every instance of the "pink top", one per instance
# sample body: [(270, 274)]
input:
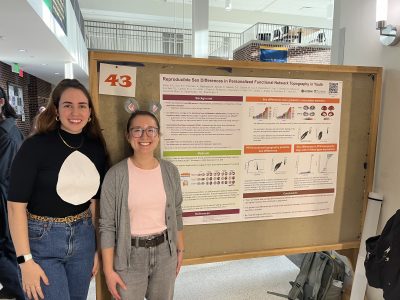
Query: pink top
[(146, 201)]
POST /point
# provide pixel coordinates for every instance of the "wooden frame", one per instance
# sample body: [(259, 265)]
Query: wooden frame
[(360, 84)]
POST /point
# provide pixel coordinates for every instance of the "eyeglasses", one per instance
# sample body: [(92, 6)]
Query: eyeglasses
[(137, 132)]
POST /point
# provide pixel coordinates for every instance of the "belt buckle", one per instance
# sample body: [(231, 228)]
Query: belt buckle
[(149, 242)]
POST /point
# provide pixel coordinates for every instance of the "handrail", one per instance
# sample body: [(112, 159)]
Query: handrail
[(114, 36)]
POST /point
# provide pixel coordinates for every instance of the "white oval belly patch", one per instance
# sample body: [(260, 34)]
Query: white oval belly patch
[(78, 179)]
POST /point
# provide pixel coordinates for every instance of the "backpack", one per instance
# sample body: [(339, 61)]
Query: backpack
[(383, 259), (321, 277)]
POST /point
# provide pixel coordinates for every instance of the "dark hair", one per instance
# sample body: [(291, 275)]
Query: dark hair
[(141, 113), (7, 110), (46, 120)]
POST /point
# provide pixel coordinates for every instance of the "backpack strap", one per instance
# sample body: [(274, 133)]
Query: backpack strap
[(297, 286), (319, 273)]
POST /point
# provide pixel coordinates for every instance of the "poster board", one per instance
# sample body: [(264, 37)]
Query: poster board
[(251, 148), (16, 99), (358, 132)]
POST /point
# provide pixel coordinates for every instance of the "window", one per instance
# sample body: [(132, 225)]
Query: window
[(172, 43)]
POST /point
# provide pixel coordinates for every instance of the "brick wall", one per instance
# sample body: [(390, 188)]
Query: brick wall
[(35, 94), (312, 54)]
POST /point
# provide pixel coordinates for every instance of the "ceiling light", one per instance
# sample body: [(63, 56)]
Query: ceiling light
[(228, 5), (43, 64), (21, 50), (56, 73)]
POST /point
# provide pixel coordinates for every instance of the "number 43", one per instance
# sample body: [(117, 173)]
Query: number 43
[(122, 80)]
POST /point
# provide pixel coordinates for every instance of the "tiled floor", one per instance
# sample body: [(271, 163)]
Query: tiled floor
[(232, 280)]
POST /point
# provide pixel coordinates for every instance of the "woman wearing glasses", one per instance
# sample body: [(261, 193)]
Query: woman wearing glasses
[(141, 218)]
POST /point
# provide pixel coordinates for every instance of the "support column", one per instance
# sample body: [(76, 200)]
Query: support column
[(69, 70), (200, 16)]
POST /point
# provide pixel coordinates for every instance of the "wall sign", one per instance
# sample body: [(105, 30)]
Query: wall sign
[(16, 99), (117, 80)]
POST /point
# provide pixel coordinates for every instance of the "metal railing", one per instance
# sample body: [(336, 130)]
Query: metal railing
[(113, 36), (157, 40), (137, 38), (288, 34), (57, 8), (222, 44)]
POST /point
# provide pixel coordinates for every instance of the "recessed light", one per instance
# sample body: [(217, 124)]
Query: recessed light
[(56, 73), (228, 5), (21, 50), (43, 64)]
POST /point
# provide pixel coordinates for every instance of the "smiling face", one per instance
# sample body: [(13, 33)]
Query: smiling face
[(73, 110), (149, 139)]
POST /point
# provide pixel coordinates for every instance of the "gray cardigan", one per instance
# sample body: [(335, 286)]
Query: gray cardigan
[(114, 222)]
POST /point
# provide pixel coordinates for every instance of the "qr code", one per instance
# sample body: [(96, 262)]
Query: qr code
[(333, 87)]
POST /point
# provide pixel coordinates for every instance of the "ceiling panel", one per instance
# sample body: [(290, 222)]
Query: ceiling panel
[(312, 8)]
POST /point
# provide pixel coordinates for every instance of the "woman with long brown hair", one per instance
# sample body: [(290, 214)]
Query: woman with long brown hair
[(55, 181)]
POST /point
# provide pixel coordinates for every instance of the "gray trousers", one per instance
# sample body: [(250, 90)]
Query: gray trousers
[(151, 274)]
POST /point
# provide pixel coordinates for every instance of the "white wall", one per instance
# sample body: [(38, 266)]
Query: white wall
[(362, 47), (73, 41)]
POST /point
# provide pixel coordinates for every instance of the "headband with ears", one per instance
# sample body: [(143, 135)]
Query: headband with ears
[(131, 105)]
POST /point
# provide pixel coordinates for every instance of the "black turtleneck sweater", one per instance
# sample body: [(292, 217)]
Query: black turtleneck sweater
[(36, 167)]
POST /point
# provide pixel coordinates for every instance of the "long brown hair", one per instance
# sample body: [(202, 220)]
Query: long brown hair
[(46, 120)]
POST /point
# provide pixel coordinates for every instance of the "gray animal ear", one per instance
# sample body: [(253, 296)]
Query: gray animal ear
[(154, 107), (131, 105)]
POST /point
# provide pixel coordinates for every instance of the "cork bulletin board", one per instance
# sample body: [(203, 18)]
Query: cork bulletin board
[(358, 131)]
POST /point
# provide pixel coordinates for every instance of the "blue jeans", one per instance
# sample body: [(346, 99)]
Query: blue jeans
[(65, 252)]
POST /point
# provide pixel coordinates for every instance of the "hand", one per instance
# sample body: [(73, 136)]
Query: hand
[(95, 268), (31, 275), (112, 280), (179, 260)]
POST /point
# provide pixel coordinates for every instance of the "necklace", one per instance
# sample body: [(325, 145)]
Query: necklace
[(69, 146)]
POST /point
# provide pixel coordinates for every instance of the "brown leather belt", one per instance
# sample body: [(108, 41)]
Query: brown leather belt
[(148, 242)]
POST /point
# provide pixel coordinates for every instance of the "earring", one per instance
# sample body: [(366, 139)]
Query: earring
[(57, 118), (90, 119)]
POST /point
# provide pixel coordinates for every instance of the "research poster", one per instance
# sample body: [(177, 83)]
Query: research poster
[(251, 148)]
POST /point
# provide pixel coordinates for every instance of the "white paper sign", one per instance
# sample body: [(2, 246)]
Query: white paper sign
[(117, 80)]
